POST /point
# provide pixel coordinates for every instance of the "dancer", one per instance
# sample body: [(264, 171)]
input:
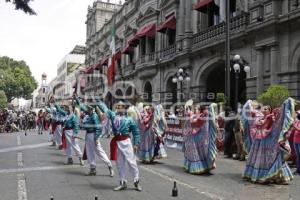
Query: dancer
[(199, 146), (147, 145), (265, 140), (71, 127), (121, 147), (159, 126), (91, 123)]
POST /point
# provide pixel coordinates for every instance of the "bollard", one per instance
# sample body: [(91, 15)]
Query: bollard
[(96, 197), (174, 190)]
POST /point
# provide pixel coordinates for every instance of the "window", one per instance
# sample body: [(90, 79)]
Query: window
[(151, 45), (171, 36), (44, 90), (43, 99), (143, 46)]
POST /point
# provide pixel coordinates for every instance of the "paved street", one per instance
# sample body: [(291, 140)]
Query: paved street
[(31, 169)]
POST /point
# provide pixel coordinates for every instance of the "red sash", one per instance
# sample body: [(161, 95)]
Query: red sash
[(114, 147), (63, 139)]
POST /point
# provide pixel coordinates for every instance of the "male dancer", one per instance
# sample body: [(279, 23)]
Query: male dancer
[(121, 146), (71, 127), (91, 123)]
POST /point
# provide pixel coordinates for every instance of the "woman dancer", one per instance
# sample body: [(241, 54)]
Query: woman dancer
[(264, 136), (199, 142)]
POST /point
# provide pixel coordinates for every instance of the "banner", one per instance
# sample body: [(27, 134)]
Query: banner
[(174, 134)]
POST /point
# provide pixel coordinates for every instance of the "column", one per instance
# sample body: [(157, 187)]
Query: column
[(188, 16), (260, 72), (188, 24), (274, 64), (180, 20)]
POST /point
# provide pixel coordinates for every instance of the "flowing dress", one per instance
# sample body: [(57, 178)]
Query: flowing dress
[(199, 146), (147, 144), (263, 134)]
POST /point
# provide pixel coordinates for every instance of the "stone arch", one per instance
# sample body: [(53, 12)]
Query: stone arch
[(204, 70), (169, 75), (295, 59)]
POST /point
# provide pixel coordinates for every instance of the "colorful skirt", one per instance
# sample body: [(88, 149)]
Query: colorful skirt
[(147, 146), (266, 163), (200, 152)]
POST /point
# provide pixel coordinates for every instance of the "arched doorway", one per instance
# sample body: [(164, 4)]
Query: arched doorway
[(148, 92), (109, 100), (171, 89), (214, 77)]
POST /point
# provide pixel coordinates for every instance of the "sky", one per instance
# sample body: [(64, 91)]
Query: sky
[(43, 40)]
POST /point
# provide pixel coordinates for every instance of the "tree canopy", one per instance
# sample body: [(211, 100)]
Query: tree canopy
[(3, 99), (23, 5), (16, 79), (274, 96)]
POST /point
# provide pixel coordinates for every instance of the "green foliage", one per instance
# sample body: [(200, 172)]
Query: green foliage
[(16, 79), (220, 98), (274, 96), (3, 99)]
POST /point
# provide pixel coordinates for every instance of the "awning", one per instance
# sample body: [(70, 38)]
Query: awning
[(202, 5), (170, 23), (89, 70), (98, 66), (147, 31), (128, 49), (104, 61)]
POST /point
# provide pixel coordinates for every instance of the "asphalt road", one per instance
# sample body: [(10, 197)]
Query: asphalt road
[(30, 169)]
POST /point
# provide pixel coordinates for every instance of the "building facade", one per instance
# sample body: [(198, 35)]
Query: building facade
[(154, 38), (66, 72)]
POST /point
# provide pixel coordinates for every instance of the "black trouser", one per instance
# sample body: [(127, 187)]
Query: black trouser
[(229, 140)]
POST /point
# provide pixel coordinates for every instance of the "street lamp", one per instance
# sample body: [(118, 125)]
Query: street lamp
[(179, 77), (238, 63)]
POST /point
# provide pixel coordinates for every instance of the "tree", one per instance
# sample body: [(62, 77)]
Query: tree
[(23, 5), (274, 96), (3, 99), (16, 79)]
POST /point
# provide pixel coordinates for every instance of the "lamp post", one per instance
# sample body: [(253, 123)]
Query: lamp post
[(179, 77), (238, 63)]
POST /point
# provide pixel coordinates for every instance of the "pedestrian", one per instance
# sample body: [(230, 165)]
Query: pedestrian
[(71, 128), (199, 146), (91, 123), (266, 158), (238, 134), (40, 122), (229, 132), (122, 150)]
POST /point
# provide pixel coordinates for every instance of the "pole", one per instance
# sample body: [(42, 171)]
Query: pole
[(227, 71), (181, 97), (236, 91)]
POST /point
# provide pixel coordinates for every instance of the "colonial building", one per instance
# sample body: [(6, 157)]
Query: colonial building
[(41, 97), (154, 38)]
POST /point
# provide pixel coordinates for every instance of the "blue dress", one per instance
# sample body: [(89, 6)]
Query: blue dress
[(266, 163), (199, 146)]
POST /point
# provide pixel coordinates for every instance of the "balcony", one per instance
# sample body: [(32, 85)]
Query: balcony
[(129, 69), (168, 52), (214, 33), (147, 58)]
